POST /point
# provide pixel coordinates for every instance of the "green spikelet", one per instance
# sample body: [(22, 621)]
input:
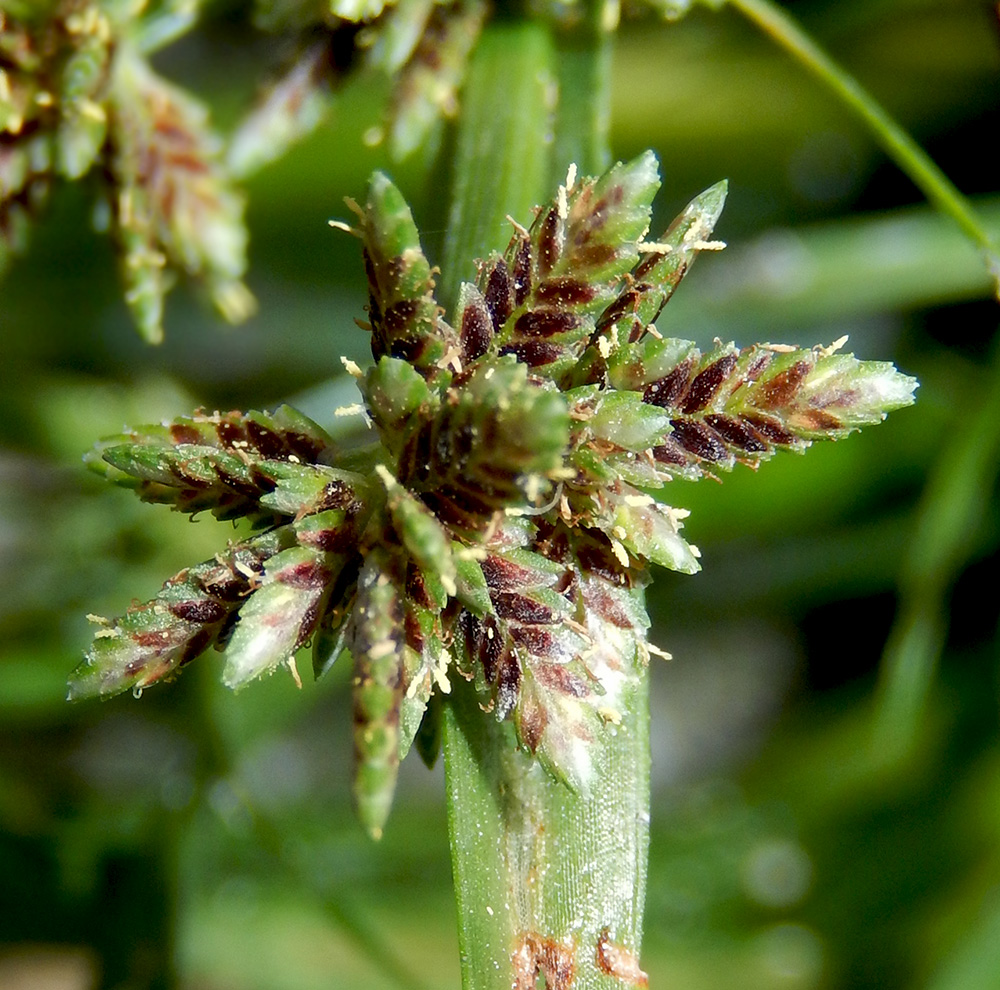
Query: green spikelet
[(280, 615), (260, 465), (176, 205), (405, 319), (375, 639), (192, 612)]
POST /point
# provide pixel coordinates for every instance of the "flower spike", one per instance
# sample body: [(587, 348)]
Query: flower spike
[(501, 526)]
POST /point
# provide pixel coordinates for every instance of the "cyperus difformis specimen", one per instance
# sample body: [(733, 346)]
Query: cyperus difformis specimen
[(500, 527)]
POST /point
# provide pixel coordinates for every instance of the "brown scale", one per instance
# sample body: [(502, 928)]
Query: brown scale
[(737, 433), (476, 332), (565, 292), (558, 677), (486, 643), (534, 353), (550, 236), (666, 391), (522, 271), (336, 539), (502, 574), (306, 575), (600, 602), (545, 323), (770, 429), (202, 611), (499, 294), (778, 392), (707, 383), (521, 608), (538, 642), (699, 439)]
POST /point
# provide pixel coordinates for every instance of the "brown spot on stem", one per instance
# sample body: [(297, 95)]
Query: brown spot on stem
[(536, 955), (617, 961)]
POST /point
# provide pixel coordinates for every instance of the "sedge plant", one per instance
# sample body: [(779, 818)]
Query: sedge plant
[(481, 562), (479, 558)]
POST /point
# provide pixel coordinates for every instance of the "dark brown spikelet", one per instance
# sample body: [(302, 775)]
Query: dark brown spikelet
[(227, 463), (405, 318), (568, 267), (730, 405), (153, 640)]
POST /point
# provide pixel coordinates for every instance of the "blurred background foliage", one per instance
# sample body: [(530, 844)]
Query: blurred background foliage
[(812, 827)]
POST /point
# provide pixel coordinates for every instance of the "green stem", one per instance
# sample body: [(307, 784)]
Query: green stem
[(583, 65), (543, 876), (501, 153), (900, 147), (538, 868)]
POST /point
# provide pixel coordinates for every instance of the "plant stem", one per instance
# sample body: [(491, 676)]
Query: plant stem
[(583, 64), (543, 876), (896, 142), (502, 147)]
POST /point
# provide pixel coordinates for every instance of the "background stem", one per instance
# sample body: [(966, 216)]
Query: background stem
[(896, 142)]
